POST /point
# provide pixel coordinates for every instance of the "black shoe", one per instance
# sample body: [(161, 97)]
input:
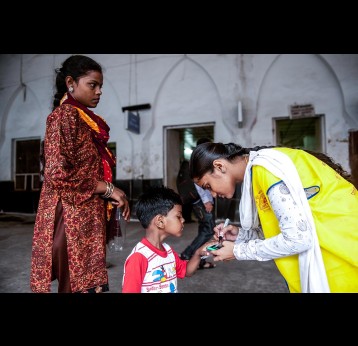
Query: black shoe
[(184, 257)]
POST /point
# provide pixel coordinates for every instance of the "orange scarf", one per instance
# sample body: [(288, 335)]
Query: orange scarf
[(100, 135)]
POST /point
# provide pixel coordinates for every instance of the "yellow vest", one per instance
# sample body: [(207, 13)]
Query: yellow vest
[(334, 205)]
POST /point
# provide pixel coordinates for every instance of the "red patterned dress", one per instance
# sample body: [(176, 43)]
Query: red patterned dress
[(73, 166)]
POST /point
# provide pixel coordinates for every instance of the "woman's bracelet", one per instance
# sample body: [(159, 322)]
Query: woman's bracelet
[(109, 190)]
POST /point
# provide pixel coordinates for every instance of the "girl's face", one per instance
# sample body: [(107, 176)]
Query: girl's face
[(88, 90), (222, 181)]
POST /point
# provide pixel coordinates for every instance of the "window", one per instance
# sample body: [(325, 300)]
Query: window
[(305, 133), (27, 164)]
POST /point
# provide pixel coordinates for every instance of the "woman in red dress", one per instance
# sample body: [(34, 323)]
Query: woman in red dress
[(69, 241)]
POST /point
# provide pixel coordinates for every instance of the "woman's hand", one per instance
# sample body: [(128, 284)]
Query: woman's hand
[(226, 253), (119, 199), (229, 232)]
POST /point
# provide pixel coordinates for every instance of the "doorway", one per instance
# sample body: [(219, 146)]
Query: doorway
[(179, 141), (178, 144)]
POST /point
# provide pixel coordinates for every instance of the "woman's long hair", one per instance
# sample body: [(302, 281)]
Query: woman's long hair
[(203, 156)]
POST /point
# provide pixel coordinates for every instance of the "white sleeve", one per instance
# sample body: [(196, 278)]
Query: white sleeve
[(293, 239), (251, 234)]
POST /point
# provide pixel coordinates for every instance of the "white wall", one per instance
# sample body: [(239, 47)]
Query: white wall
[(186, 89)]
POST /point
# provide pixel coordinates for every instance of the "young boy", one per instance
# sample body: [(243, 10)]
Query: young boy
[(153, 266)]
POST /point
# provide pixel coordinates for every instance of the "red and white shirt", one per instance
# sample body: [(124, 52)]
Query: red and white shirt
[(150, 270)]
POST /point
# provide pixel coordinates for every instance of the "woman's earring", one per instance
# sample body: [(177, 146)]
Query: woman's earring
[(70, 89)]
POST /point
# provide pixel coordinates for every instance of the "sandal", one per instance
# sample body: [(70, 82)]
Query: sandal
[(206, 265)]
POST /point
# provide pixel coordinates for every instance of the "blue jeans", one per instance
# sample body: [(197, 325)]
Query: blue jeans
[(205, 230)]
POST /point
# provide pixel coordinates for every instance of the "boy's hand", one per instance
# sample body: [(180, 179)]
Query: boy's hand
[(203, 252), (226, 253)]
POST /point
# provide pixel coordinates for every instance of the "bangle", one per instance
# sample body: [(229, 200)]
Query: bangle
[(109, 190)]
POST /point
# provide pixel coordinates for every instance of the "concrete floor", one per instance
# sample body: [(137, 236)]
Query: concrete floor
[(228, 277)]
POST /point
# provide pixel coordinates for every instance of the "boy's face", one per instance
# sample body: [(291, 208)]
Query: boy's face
[(174, 221)]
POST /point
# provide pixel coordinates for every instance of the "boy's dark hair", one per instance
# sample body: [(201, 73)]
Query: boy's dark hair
[(75, 66), (156, 200)]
